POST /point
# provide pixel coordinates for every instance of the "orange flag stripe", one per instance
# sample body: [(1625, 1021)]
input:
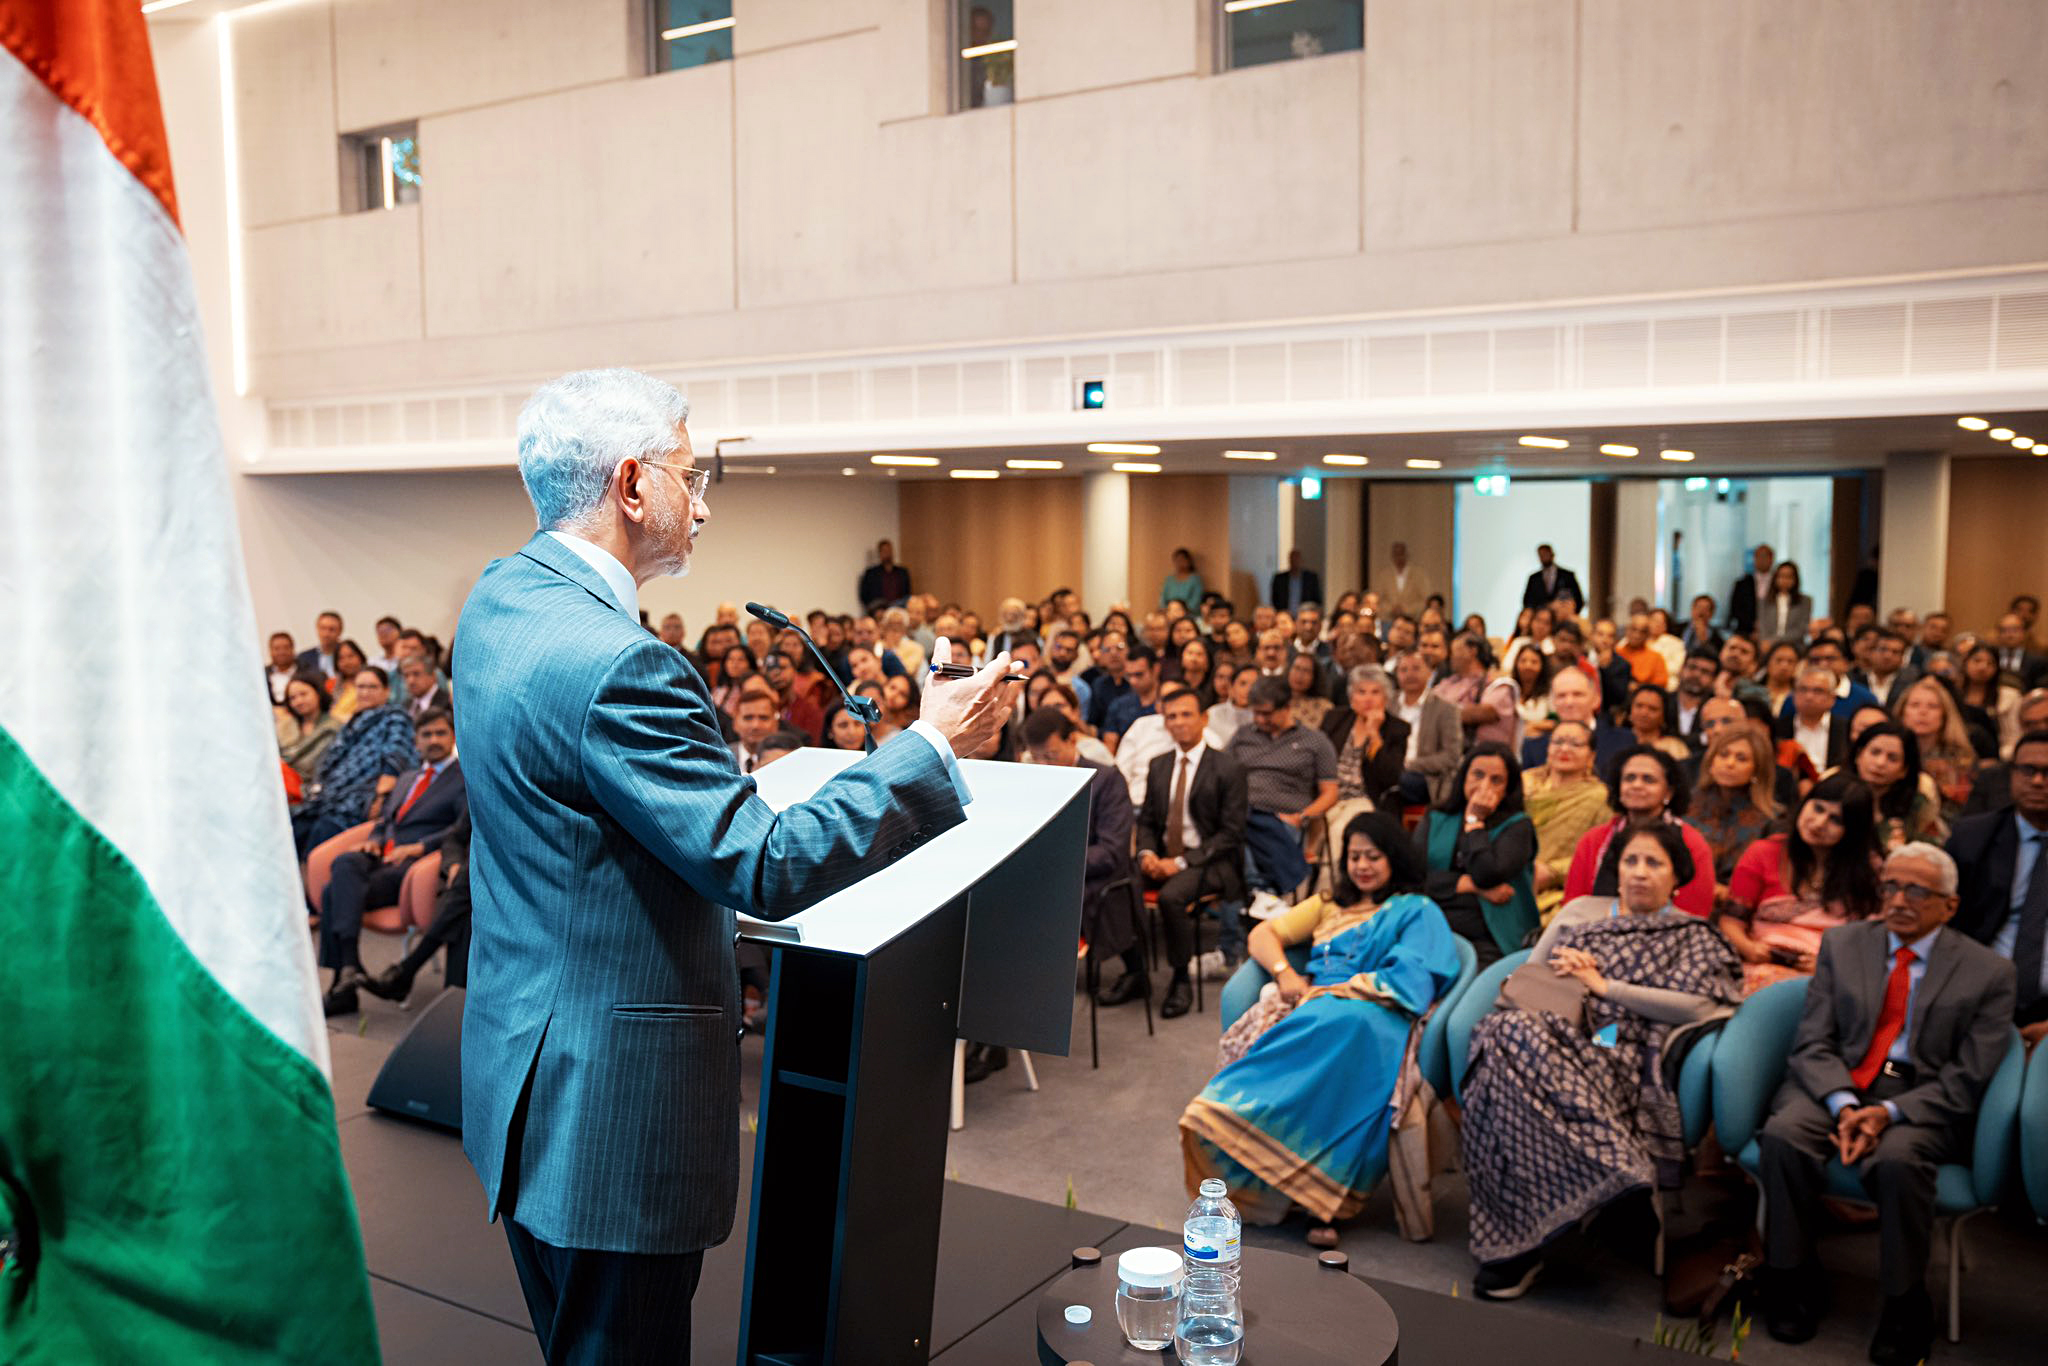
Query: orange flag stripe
[(94, 55)]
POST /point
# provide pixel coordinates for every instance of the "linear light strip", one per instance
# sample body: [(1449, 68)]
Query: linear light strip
[(1121, 448), (968, 54), (670, 35), (975, 474), (1135, 467), (1036, 464), (1345, 460), (1240, 6)]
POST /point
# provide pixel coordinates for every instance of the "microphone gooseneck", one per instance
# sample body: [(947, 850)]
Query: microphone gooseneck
[(866, 710)]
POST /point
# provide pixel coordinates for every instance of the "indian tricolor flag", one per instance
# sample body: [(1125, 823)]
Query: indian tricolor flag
[(171, 1187)]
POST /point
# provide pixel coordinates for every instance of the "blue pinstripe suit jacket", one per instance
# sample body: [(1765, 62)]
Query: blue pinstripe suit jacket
[(613, 838)]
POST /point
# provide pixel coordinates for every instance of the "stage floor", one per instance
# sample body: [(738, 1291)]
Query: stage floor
[(445, 1290)]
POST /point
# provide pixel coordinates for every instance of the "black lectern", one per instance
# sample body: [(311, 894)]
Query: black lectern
[(971, 936)]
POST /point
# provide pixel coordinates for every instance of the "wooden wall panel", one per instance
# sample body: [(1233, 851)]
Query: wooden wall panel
[(1997, 508), (1422, 513), (979, 541), (1173, 510)]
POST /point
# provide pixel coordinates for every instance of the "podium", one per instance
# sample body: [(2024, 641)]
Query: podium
[(971, 935)]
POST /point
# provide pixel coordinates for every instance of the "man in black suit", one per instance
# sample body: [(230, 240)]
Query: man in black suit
[(2004, 887), (884, 583), (449, 928), (320, 659), (2021, 666), (1294, 585), (1190, 834), (1108, 922), (424, 807), (1904, 1025), (1551, 582), (1887, 672), (1751, 589)]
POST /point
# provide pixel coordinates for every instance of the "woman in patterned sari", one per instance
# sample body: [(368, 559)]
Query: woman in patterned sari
[(1566, 1113), (1302, 1110)]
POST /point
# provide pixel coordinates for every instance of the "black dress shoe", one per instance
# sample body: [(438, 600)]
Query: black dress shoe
[(1905, 1330), (1789, 1309), (339, 1001), (1129, 987), (982, 1061), (1180, 998), (392, 984)]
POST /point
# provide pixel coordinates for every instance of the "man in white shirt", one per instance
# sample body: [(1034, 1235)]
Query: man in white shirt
[(387, 641), (284, 666), (1812, 720), (754, 722)]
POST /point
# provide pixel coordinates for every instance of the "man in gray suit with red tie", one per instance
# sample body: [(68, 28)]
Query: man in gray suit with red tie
[(1904, 1025), (613, 838)]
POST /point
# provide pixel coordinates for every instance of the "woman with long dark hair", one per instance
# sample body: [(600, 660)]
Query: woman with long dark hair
[(1300, 1112), (1887, 759), (1790, 889), (1478, 847)]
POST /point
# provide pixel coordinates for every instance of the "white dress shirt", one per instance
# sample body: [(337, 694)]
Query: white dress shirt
[(1413, 716), (1813, 740), (1190, 837)]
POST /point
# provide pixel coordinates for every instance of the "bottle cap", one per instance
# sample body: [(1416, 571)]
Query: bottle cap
[(1154, 1268), (1079, 1313)]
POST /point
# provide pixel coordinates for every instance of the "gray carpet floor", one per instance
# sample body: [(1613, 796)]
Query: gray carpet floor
[(1106, 1138)]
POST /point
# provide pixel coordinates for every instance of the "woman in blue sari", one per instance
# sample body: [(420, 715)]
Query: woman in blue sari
[(1302, 1110)]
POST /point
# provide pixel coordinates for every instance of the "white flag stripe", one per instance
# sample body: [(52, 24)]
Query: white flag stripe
[(133, 679)]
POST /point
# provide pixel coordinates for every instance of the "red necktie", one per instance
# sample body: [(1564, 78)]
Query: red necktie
[(1890, 1020), (426, 776)]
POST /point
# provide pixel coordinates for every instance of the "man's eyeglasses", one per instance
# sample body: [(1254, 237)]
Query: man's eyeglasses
[(695, 480), (1915, 894), (2028, 773)]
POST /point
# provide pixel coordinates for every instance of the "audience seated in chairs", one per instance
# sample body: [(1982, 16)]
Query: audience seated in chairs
[(428, 800), (2003, 892), (1647, 788), (1291, 777), (1567, 1105), (1436, 738), (1903, 1026), (1300, 1113), (1649, 720), (1789, 889), (1949, 754), (1477, 847), (424, 692), (1564, 798), (1371, 743), (374, 746), (1191, 839), (1109, 922)]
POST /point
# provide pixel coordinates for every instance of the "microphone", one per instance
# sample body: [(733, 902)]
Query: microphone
[(866, 710)]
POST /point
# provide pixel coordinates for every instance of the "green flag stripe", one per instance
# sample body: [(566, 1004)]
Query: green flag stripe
[(172, 1165)]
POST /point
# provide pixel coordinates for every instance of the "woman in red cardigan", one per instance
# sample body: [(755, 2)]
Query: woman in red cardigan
[(1646, 786)]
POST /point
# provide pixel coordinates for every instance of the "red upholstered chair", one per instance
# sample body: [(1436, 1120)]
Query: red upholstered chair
[(415, 906)]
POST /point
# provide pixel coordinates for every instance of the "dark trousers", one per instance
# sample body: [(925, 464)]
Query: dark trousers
[(1181, 891), (357, 883), (613, 1308), (1278, 865), (449, 929), (315, 827), (1792, 1156)]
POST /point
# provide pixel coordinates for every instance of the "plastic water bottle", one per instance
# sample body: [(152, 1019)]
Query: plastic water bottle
[(1211, 1238)]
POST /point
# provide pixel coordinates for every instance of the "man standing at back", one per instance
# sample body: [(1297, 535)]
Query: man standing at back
[(614, 836)]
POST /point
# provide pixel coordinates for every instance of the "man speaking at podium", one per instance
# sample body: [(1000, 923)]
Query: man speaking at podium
[(614, 837)]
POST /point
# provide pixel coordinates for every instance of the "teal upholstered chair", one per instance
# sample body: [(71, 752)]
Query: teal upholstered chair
[(1749, 1064), (1241, 993), (2033, 1135), (1476, 1003)]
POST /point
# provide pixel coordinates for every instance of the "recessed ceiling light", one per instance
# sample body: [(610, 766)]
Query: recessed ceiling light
[(1251, 455), (923, 461), (1134, 467), (1036, 464), (669, 35), (1418, 463), (1548, 443), (1972, 424), (2035, 446), (846, 469), (975, 474), (2001, 433), (1680, 456), (1345, 460), (2023, 441), (1121, 448), (1614, 449)]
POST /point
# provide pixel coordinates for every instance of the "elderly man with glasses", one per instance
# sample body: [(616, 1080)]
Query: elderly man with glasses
[(1904, 1024)]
